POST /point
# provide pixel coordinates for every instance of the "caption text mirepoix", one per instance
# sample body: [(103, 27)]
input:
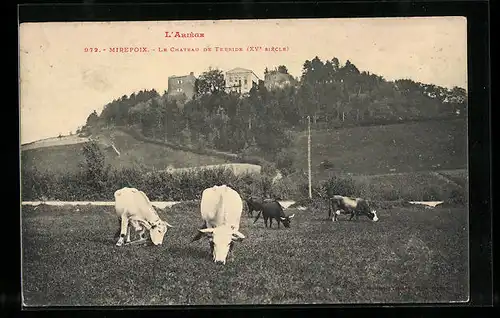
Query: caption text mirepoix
[(176, 49), (188, 36)]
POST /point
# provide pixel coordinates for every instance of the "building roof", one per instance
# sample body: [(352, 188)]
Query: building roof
[(176, 76), (241, 70)]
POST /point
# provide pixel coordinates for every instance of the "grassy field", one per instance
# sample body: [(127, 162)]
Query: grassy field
[(406, 147), (56, 141), (418, 185), (67, 158), (421, 185), (411, 255)]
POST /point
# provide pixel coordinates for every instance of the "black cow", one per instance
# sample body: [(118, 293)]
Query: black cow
[(354, 206), (253, 206), (274, 210)]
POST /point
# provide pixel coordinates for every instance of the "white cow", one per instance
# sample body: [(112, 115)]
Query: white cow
[(221, 209), (134, 208)]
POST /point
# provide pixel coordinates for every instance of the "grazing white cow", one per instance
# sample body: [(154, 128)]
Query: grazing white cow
[(221, 209), (134, 208)]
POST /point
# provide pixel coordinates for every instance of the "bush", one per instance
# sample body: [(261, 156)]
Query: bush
[(284, 162), (317, 191), (284, 189), (458, 197), (391, 194), (158, 185), (341, 186), (431, 194), (326, 164)]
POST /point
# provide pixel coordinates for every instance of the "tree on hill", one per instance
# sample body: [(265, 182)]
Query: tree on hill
[(210, 82), (92, 119), (282, 69), (95, 164), (331, 93)]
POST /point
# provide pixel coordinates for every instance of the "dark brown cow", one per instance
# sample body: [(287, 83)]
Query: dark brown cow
[(274, 210), (253, 205)]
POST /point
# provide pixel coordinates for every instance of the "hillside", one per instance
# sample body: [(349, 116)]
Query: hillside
[(67, 158), (406, 147), (55, 141)]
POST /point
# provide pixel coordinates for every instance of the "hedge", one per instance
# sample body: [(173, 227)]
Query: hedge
[(188, 185), (158, 185)]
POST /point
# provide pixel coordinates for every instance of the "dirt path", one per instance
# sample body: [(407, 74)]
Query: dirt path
[(438, 173), (443, 177)]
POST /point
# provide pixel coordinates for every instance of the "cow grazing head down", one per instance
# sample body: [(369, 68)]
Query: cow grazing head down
[(221, 240), (286, 220), (354, 206), (158, 231)]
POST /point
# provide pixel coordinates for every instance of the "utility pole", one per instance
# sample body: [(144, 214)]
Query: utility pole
[(309, 153)]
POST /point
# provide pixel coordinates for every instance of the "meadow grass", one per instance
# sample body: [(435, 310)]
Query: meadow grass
[(415, 186), (406, 147), (411, 255)]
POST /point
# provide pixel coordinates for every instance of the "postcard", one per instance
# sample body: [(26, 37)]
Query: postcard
[(230, 162)]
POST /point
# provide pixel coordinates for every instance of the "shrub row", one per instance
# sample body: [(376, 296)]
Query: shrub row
[(158, 185), (188, 185)]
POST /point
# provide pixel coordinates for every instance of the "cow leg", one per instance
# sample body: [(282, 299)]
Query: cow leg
[(270, 223), (352, 215), (123, 230), (137, 227), (278, 221), (127, 240), (230, 254), (117, 233), (211, 248), (142, 230), (258, 216), (199, 234), (330, 210), (141, 234)]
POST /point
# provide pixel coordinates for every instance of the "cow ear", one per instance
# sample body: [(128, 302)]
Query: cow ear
[(238, 235), (207, 231)]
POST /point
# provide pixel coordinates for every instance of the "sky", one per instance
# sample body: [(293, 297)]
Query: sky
[(61, 84)]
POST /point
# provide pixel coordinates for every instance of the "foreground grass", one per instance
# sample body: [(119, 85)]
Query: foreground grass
[(410, 255)]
